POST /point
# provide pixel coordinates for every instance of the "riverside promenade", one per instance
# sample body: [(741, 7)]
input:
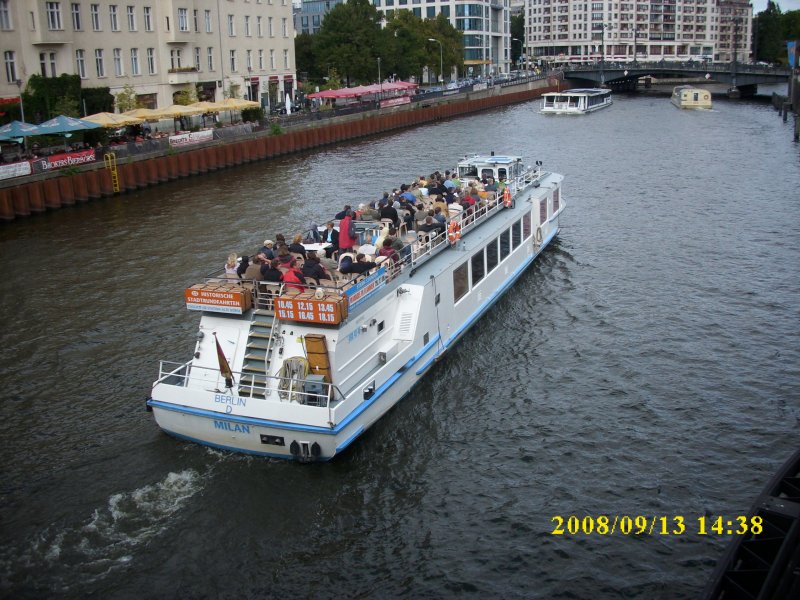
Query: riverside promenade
[(132, 168)]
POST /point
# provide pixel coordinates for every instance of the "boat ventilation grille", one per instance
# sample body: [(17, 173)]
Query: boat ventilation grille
[(406, 321)]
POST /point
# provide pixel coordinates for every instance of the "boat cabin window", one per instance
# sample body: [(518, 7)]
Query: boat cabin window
[(542, 211), (502, 174), (526, 226), (491, 255), (460, 283), (516, 234), (468, 171), (478, 268), (505, 244), (486, 173)]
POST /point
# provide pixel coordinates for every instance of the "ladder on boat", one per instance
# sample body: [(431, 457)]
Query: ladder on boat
[(258, 355)]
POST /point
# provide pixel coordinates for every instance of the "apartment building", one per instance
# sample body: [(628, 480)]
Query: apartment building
[(644, 30), (243, 48)]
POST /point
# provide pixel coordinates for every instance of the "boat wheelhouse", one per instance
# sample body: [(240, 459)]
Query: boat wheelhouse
[(577, 101), (688, 96), (302, 374)]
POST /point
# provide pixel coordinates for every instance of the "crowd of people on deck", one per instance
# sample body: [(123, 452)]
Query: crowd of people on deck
[(321, 256)]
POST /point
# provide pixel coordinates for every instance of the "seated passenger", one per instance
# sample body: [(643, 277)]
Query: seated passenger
[(297, 246), (254, 270), (293, 278), (231, 266), (313, 269), (330, 237), (431, 225), (270, 271), (312, 233), (361, 265), (388, 251), (245, 262), (284, 257)]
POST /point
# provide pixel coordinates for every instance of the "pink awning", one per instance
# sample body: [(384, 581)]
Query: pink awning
[(364, 90)]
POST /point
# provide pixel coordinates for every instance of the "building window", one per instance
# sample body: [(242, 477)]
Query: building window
[(175, 59), (148, 18), (197, 58), (261, 59), (131, 18), (460, 283), (80, 63), (5, 16), (210, 55), (196, 22), (151, 61), (208, 21), (231, 26), (272, 59), (43, 64), (135, 61), (259, 29), (285, 59), (269, 26), (76, 16), (183, 19), (99, 64), (284, 28), (112, 14), (234, 67), (52, 64), (249, 63), (117, 53), (247, 26), (53, 15)]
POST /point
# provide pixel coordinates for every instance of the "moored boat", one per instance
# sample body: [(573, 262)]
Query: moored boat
[(688, 96), (577, 101), (302, 373)]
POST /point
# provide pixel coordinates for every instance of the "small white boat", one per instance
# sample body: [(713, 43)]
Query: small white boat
[(302, 374), (688, 96), (578, 101)]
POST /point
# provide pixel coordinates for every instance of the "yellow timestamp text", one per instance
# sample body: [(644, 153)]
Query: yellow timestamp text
[(656, 525)]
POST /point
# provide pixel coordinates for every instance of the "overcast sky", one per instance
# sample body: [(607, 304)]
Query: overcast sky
[(786, 5)]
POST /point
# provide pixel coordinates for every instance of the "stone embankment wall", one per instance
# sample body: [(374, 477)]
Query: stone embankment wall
[(48, 191)]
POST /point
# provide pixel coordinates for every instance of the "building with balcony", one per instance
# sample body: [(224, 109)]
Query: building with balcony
[(484, 23), (645, 30), (243, 48)]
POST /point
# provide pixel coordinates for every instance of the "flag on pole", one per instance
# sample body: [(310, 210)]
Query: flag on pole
[(224, 367)]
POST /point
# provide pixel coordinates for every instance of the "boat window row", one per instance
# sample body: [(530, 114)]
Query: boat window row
[(489, 257)]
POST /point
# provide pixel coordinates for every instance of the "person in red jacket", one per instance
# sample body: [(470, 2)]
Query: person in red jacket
[(293, 278)]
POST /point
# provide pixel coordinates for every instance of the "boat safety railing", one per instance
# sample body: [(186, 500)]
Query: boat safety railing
[(309, 392)]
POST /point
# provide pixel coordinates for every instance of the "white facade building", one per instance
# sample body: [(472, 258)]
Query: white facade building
[(484, 23), (160, 47), (644, 30)]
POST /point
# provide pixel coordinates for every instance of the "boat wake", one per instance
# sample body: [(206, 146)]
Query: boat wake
[(103, 544)]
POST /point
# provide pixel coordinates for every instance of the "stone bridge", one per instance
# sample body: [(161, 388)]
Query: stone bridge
[(743, 79)]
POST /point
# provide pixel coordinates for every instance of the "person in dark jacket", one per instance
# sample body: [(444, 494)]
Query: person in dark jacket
[(330, 237), (297, 246), (270, 271), (245, 262), (313, 269)]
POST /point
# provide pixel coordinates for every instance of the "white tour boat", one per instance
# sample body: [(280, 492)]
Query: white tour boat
[(688, 96), (301, 375), (578, 101)]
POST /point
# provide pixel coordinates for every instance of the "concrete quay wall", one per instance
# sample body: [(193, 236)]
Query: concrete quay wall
[(50, 191)]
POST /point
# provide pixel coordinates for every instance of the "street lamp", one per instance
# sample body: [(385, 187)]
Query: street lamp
[(521, 50), (380, 81), (21, 107), (603, 52), (441, 74)]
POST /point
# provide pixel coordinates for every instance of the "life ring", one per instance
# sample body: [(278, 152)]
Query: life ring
[(507, 201), (454, 232), (538, 235)]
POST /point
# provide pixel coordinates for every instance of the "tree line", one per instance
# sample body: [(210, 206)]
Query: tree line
[(772, 29), (352, 43)]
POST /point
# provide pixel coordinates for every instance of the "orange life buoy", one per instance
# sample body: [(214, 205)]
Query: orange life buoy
[(454, 232), (507, 197)]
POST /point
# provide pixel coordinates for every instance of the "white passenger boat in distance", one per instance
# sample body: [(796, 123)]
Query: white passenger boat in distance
[(301, 375), (688, 96), (577, 101)]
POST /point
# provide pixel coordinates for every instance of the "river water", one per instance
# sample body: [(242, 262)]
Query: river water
[(646, 365)]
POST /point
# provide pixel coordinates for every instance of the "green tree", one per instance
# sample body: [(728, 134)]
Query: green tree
[(185, 96), (305, 57), (452, 45), (770, 44), (97, 99), (42, 93), (404, 50), (349, 40), (126, 99), (66, 106)]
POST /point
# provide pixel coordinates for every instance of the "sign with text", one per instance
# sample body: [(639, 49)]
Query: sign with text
[(15, 170), (366, 287), (188, 139), (306, 308), (224, 298), (59, 161), (396, 101)]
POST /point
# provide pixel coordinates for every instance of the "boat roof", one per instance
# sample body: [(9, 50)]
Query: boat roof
[(490, 159), (579, 92)]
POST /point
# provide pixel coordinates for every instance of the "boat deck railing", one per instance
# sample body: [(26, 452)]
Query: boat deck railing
[(418, 247), (274, 388)]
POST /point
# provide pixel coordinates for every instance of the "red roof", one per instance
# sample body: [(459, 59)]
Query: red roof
[(364, 90)]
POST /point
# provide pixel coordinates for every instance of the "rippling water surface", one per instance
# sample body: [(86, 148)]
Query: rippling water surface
[(647, 364)]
